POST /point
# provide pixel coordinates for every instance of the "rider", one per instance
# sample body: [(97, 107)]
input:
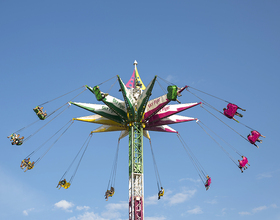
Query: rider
[(109, 193), (40, 111), (245, 161), (242, 163), (254, 137), (231, 110), (63, 183), (15, 138), (18, 141), (208, 182), (12, 136), (161, 192), (30, 166), (24, 163)]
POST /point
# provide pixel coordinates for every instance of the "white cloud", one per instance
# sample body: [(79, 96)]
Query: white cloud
[(88, 216), (26, 212), (264, 175), (115, 210), (117, 206), (63, 204), (258, 209), (155, 218), (152, 200), (190, 179), (182, 197), (195, 211), (169, 78), (213, 201), (267, 174), (82, 208), (223, 212), (244, 213)]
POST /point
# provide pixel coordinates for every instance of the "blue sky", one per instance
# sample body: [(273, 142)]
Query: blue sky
[(227, 48)]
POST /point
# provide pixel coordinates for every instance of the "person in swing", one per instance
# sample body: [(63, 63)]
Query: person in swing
[(208, 182), (24, 163), (254, 137), (109, 193), (243, 163), (63, 183), (231, 111), (161, 192)]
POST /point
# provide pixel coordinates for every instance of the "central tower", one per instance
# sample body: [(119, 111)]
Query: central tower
[(135, 116), (136, 177)]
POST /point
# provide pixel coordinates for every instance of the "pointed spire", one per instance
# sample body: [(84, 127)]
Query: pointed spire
[(135, 63), (135, 70)]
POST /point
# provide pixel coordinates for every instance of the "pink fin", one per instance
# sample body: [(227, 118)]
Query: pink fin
[(130, 84), (163, 128), (170, 120), (169, 110)]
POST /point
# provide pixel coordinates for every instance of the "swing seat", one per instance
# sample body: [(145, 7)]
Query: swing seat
[(111, 194), (17, 142), (13, 136), (231, 110), (242, 163), (40, 115), (24, 162), (208, 182), (172, 93), (30, 166), (161, 193), (253, 137), (245, 160), (66, 185), (97, 93)]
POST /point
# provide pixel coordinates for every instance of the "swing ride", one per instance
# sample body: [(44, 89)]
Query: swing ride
[(135, 117)]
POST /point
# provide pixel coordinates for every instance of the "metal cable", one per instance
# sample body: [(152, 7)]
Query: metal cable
[(60, 96), (219, 146)]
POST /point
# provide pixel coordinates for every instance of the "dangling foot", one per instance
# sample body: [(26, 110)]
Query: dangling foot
[(257, 146), (240, 115)]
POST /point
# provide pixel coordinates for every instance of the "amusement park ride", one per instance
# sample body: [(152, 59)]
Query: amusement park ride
[(135, 117)]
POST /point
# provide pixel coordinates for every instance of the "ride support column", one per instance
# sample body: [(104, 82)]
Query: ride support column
[(136, 177)]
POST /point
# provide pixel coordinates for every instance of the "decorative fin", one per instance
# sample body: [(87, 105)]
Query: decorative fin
[(129, 101), (155, 105), (173, 119), (138, 80), (144, 98), (162, 128), (102, 110), (98, 120), (131, 83), (171, 110), (106, 128)]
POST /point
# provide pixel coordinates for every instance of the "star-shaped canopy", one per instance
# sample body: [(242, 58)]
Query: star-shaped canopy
[(118, 115)]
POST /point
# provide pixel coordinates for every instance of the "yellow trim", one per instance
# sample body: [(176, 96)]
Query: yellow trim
[(137, 77)]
